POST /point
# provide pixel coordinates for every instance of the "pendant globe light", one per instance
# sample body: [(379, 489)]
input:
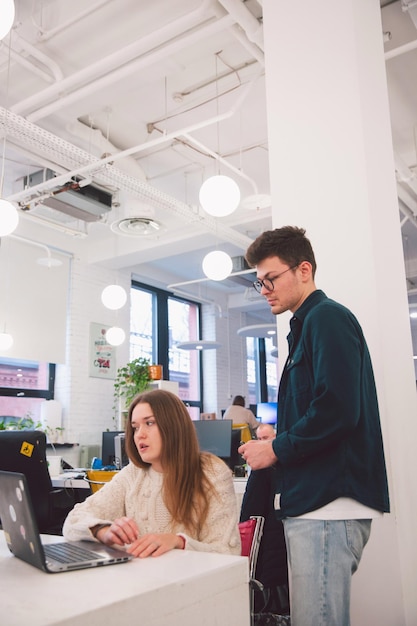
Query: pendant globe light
[(217, 265), (113, 297), (9, 218), (115, 336), (7, 13), (219, 196)]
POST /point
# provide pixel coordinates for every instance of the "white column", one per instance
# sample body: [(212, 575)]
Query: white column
[(332, 172)]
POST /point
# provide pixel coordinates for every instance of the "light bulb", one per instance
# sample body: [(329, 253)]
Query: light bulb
[(6, 341), (115, 336), (7, 12), (219, 196), (113, 297), (9, 218), (217, 265)]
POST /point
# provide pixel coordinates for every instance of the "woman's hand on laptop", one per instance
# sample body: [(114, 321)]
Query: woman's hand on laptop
[(122, 531), (156, 544)]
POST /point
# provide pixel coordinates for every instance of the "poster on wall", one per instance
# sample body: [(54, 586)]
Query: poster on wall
[(102, 354)]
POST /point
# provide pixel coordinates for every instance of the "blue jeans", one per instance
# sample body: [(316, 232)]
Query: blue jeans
[(323, 555)]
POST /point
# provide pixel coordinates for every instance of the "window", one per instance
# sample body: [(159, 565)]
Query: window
[(24, 385), (262, 370), (158, 322)]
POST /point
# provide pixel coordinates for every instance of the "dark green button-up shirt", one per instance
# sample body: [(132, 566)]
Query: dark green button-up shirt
[(329, 441)]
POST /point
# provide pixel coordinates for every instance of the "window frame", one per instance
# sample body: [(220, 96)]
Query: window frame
[(25, 392), (160, 328)]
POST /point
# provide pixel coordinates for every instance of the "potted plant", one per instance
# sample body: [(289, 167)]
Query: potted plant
[(131, 379)]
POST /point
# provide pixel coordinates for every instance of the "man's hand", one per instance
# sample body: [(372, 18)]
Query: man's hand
[(258, 454)]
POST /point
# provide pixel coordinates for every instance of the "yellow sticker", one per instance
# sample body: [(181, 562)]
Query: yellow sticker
[(27, 448)]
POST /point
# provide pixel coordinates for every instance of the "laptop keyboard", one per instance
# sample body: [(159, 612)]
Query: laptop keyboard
[(68, 553)]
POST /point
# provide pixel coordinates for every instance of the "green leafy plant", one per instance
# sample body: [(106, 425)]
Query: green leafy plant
[(131, 379), (21, 423), (53, 434)]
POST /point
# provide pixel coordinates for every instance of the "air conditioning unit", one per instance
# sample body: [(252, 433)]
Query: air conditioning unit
[(88, 203), (240, 265)]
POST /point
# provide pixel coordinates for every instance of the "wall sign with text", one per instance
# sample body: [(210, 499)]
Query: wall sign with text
[(102, 354)]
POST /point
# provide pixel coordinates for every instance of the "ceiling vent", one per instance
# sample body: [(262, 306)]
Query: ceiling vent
[(82, 202), (136, 227)]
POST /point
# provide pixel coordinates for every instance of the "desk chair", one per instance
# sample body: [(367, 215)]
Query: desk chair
[(245, 431), (24, 451)]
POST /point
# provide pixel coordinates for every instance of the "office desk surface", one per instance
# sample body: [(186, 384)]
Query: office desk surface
[(180, 588)]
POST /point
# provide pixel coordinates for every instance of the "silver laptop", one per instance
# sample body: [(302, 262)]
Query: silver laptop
[(22, 536)]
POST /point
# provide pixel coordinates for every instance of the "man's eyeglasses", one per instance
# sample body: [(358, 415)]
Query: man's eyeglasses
[(268, 283)]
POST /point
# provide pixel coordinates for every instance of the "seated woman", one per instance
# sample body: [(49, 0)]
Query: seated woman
[(239, 414), (169, 496)]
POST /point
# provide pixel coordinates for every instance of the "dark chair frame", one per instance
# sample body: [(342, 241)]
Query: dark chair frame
[(24, 451), (251, 534)]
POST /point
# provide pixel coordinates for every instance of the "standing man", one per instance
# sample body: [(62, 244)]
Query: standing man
[(328, 453)]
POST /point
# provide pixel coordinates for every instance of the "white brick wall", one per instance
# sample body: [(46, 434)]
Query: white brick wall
[(88, 401)]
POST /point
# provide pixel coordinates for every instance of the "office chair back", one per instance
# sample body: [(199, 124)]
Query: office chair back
[(24, 451)]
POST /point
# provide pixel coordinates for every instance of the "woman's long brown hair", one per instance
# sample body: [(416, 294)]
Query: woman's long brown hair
[(185, 487)]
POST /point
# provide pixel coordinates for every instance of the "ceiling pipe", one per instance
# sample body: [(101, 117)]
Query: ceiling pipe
[(248, 45), (29, 65), (407, 205), (142, 46), (131, 64), (53, 68), (245, 19), (44, 35), (396, 52), (220, 159), (96, 166), (174, 286), (94, 137), (127, 69), (105, 173), (33, 243)]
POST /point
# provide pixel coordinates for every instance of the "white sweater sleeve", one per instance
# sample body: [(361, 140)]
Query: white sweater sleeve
[(105, 505)]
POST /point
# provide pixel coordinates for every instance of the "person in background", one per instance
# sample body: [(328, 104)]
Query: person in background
[(265, 432), (239, 414), (271, 568), (330, 475), (170, 495)]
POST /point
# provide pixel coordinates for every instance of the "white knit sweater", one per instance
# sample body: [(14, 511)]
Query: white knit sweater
[(136, 493)]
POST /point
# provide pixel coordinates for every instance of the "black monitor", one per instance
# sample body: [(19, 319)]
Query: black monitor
[(215, 436), (266, 412), (107, 446), (252, 407)]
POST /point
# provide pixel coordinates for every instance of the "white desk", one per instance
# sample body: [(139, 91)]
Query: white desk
[(180, 588), (66, 480)]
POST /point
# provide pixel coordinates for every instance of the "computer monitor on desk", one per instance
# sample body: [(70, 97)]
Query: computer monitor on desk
[(266, 412), (120, 457), (215, 436), (108, 455)]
